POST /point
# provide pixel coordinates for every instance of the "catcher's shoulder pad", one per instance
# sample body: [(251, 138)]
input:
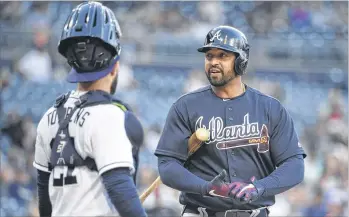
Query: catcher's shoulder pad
[(134, 129), (133, 126), (122, 105), (61, 99)]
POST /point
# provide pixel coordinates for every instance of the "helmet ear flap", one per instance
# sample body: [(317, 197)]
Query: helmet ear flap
[(240, 65)]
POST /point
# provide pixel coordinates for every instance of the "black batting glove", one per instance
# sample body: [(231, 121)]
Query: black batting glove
[(246, 192), (218, 187)]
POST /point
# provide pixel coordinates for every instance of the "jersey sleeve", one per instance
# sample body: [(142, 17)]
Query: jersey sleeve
[(284, 141), (41, 156), (176, 133), (111, 147)]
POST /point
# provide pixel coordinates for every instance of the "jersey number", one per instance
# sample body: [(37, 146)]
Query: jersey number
[(64, 176)]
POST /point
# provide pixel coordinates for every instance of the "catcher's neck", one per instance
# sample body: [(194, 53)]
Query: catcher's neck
[(101, 84)]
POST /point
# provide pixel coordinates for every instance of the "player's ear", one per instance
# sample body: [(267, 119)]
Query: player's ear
[(115, 69)]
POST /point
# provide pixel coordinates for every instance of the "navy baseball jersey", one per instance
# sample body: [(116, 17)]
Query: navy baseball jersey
[(250, 135)]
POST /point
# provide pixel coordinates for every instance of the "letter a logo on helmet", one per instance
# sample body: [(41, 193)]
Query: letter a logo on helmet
[(217, 35)]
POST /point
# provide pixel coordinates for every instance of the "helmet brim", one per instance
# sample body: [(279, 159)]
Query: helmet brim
[(206, 48)]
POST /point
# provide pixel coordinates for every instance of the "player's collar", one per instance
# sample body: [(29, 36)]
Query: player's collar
[(77, 93), (243, 86)]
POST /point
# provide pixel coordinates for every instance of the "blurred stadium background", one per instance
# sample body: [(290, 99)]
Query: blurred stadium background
[(299, 54)]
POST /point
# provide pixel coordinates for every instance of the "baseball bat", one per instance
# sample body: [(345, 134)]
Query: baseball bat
[(194, 144)]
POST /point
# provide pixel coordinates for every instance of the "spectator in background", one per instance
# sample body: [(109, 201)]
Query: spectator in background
[(36, 65), (10, 11), (334, 107), (12, 128), (7, 176), (336, 202), (333, 116), (152, 137), (39, 16), (4, 82), (317, 207), (29, 137), (16, 184), (299, 16), (21, 131), (334, 174), (210, 12)]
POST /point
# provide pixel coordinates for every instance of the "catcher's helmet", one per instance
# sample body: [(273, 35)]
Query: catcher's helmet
[(230, 39), (90, 41)]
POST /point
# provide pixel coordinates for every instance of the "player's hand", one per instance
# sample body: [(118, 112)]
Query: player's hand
[(218, 187), (245, 192)]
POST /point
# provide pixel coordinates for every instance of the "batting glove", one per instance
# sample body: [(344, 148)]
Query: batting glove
[(218, 187), (246, 192)]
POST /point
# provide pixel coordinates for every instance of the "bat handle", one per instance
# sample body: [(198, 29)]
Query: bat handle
[(149, 190)]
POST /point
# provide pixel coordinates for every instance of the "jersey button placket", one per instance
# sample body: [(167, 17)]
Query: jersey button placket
[(230, 152)]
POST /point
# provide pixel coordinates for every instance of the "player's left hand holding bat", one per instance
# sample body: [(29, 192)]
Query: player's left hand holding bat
[(246, 192), (218, 187)]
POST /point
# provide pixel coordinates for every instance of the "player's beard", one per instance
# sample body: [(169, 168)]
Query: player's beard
[(114, 84), (225, 78)]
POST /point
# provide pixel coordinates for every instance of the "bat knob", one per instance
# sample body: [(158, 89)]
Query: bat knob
[(202, 134)]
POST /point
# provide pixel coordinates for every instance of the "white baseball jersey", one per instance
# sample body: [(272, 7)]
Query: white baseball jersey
[(98, 132)]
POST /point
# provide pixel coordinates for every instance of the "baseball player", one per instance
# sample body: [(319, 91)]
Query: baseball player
[(83, 150), (253, 151)]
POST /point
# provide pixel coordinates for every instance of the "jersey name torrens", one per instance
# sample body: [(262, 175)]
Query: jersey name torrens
[(220, 133)]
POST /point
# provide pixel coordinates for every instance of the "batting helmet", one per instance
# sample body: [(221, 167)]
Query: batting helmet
[(230, 39), (90, 42)]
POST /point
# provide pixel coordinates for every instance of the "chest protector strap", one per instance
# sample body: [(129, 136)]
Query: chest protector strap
[(63, 152)]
